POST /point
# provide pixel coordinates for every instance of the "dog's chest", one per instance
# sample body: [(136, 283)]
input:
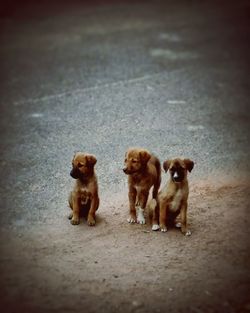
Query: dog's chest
[(176, 202), (85, 195), (84, 189), (138, 188)]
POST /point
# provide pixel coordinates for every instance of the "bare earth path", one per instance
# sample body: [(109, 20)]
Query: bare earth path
[(117, 267)]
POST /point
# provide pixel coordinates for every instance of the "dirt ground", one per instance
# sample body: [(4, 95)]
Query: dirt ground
[(118, 267)]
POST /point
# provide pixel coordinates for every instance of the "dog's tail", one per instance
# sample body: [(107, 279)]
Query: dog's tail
[(158, 181)]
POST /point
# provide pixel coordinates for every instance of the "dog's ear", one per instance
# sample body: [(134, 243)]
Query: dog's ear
[(74, 156), (166, 165), (189, 164), (76, 152), (144, 156), (91, 159)]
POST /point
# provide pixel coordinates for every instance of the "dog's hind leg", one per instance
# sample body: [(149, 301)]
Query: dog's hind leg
[(132, 210), (71, 206), (163, 216), (155, 190), (183, 215), (154, 208), (75, 220), (93, 208), (158, 179), (142, 201)]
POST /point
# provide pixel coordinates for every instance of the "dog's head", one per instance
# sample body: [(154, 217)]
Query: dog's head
[(82, 165), (136, 160), (178, 168)]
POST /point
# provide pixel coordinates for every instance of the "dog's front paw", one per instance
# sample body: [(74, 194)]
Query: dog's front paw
[(141, 220), (140, 217), (75, 221), (178, 225), (91, 221), (163, 228), (155, 227), (132, 219), (188, 233)]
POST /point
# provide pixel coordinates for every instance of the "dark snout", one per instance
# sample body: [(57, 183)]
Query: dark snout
[(177, 176), (74, 173), (129, 171), (125, 170)]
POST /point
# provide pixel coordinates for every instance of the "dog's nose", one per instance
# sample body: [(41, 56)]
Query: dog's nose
[(73, 173), (125, 170), (175, 175)]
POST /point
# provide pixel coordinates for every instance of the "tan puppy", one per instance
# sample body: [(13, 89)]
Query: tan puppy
[(84, 199), (144, 171), (172, 199)]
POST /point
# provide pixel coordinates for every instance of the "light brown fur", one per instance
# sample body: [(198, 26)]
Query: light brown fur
[(84, 199), (144, 171), (172, 200)]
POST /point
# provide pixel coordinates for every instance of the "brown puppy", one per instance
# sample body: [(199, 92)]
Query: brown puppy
[(84, 199), (172, 199), (144, 171)]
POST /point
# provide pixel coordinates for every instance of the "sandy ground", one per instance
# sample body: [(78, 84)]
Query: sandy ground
[(118, 267)]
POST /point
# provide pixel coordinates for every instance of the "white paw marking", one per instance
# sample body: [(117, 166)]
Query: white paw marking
[(140, 217), (188, 233), (164, 230), (178, 225), (155, 227)]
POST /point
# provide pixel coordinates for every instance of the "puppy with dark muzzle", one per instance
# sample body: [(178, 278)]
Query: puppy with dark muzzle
[(84, 199), (172, 199), (144, 171)]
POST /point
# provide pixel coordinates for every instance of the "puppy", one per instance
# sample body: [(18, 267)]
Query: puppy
[(172, 199), (144, 171), (84, 199)]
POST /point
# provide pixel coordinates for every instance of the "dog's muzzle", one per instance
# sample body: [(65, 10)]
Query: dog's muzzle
[(177, 177), (125, 170), (75, 173), (129, 172)]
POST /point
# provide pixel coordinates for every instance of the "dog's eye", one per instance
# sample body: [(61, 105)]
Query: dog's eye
[(80, 165), (134, 161)]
